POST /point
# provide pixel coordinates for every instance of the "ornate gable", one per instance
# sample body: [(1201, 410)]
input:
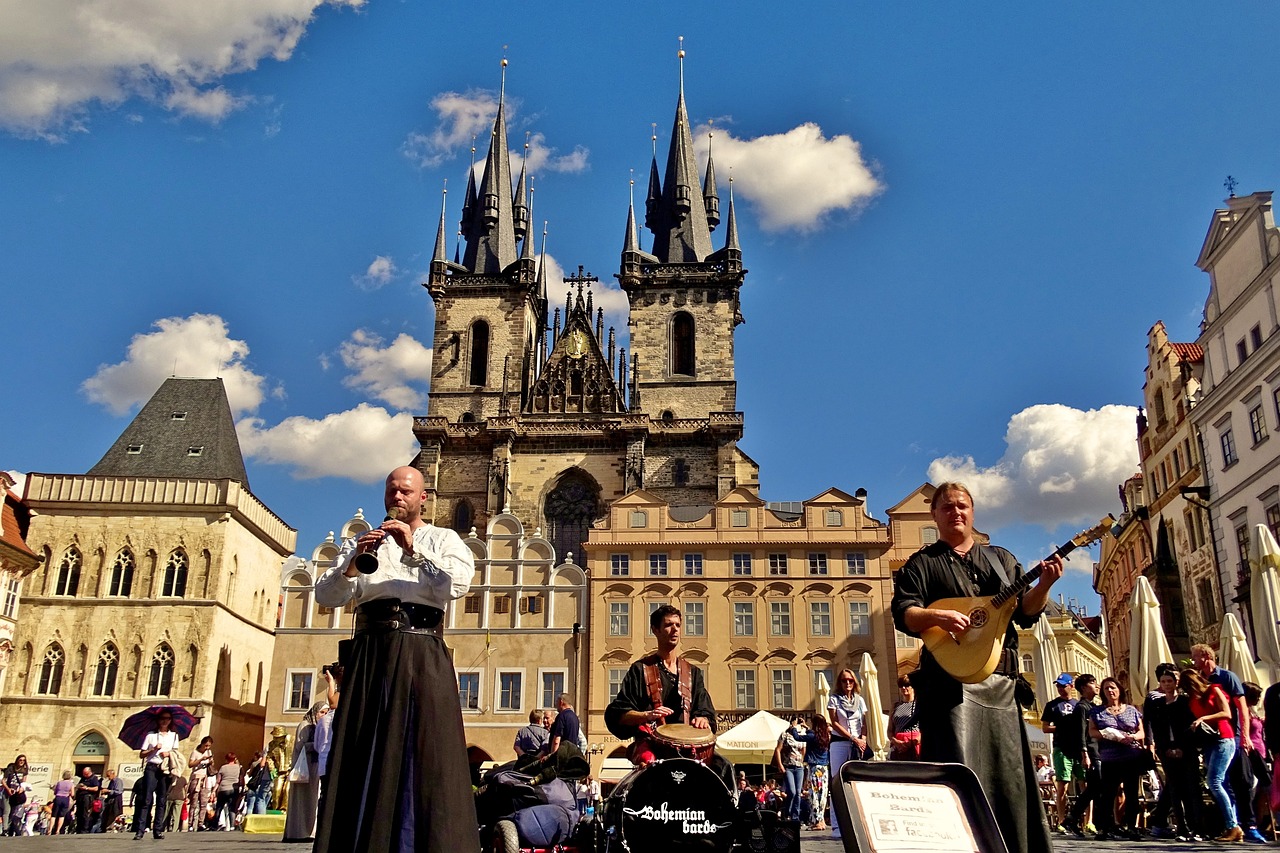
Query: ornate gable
[(576, 378)]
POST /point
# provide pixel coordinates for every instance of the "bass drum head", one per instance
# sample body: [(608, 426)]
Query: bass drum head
[(674, 805)]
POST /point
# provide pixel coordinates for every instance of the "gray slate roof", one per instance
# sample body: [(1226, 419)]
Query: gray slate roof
[(185, 430)]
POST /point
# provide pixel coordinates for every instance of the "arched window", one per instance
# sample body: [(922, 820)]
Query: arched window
[(682, 344), (570, 508), (161, 680), (51, 671), (68, 573), (479, 353), (175, 575), (297, 601), (122, 574), (463, 518), (680, 472), (104, 674)]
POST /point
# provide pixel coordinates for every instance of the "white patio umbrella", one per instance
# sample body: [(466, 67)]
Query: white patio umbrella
[(1147, 643), (752, 741), (1046, 663), (1233, 650), (1264, 598), (876, 725), (821, 694)]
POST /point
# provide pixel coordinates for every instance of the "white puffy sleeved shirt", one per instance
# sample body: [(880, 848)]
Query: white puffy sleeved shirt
[(438, 569)]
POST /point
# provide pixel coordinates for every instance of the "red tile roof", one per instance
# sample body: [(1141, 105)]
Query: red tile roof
[(1188, 352), (13, 524)]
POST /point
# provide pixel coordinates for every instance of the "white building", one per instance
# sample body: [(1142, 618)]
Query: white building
[(1239, 405)]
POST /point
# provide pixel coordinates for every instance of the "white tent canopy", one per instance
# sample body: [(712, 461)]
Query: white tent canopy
[(753, 740)]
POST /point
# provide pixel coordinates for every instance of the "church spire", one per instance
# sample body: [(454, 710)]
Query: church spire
[(491, 245), (710, 197), (630, 243), (681, 232), (526, 247), (731, 229), (520, 204), (441, 253)]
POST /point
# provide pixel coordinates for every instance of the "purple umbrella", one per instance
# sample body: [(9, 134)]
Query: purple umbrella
[(139, 725)]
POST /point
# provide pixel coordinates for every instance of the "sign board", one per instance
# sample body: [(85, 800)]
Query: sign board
[(904, 816), (40, 778), (91, 749), (129, 774)]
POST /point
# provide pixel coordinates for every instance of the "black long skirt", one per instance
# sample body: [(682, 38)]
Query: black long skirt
[(985, 732), (398, 774)]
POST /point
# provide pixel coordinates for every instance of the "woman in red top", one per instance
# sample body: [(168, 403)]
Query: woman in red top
[(1209, 704)]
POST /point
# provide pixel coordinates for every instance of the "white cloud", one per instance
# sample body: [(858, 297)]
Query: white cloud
[(469, 116), (794, 179), (1061, 465), (386, 372), (380, 272), (360, 444), (197, 346), (60, 57), (1079, 561)]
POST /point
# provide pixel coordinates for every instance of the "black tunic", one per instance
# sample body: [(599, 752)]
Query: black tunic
[(978, 725), (633, 695)]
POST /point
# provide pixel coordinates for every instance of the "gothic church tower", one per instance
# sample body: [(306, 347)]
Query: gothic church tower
[(536, 410)]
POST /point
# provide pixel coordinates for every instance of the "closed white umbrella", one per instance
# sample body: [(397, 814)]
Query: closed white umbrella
[(821, 694), (1046, 663), (1233, 650), (1147, 643), (876, 725), (1264, 598)]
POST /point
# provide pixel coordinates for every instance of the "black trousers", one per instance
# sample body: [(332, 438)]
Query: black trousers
[(1180, 794), (154, 787), (1118, 773), (1240, 788), (1090, 794), (398, 774)]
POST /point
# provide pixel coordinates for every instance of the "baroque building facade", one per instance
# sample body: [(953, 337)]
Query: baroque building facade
[(158, 586), (1239, 404), (771, 597), (1183, 577)]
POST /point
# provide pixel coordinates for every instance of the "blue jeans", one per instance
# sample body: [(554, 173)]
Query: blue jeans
[(258, 799), (792, 784), (1216, 761)]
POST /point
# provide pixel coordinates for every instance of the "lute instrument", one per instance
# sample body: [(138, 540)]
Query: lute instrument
[(973, 654)]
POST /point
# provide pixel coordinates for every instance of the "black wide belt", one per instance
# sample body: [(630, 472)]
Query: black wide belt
[(389, 614)]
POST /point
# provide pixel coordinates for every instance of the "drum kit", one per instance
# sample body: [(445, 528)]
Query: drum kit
[(674, 802)]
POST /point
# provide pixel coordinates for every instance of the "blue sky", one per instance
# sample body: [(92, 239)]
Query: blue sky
[(960, 221)]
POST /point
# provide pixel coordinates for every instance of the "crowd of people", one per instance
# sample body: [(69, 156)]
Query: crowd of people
[(74, 804), (1201, 728)]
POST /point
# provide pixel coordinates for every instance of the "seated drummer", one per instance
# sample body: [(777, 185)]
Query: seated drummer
[(663, 688)]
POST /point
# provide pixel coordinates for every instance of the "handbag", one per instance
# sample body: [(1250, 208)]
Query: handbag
[(301, 770), (1205, 735)]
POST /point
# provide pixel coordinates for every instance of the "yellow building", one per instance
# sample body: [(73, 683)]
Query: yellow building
[(158, 586), (772, 595), (16, 562)]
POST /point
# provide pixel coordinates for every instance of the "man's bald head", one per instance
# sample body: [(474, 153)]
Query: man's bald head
[(405, 493)]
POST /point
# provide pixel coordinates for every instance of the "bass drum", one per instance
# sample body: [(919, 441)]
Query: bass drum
[(674, 805)]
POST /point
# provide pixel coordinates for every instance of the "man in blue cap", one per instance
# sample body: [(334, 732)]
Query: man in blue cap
[(1066, 752)]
